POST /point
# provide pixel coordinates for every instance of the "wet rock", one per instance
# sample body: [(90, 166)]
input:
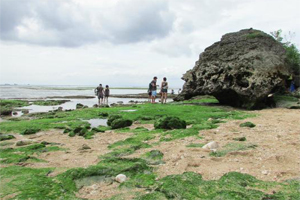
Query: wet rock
[(25, 111), (95, 106), (121, 178), (103, 114), (15, 113), (211, 145), (120, 102), (79, 106), (30, 131), (24, 142), (241, 70), (121, 123), (6, 137), (112, 118)]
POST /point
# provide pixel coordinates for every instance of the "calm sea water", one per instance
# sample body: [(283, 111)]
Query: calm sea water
[(42, 92)]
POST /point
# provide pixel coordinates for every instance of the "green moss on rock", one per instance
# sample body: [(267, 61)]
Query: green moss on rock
[(121, 123), (248, 124), (170, 123)]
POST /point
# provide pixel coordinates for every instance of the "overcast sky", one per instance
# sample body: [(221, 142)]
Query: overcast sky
[(124, 42)]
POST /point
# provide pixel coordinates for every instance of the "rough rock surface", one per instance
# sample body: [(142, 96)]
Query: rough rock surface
[(240, 70)]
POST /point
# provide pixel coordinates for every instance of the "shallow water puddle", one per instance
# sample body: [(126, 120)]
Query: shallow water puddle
[(128, 110), (87, 181), (97, 122)]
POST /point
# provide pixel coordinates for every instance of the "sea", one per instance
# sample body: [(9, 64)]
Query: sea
[(47, 92)]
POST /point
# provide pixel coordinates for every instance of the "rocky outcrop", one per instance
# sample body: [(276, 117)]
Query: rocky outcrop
[(241, 70)]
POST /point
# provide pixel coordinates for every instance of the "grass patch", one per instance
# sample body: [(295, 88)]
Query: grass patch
[(195, 145), (231, 147), (25, 154), (233, 185)]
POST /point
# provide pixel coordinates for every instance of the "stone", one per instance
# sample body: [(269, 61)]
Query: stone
[(85, 147), (211, 145), (79, 106), (121, 123), (24, 142), (121, 178), (241, 70)]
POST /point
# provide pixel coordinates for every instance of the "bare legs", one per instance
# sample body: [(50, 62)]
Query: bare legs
[(164, 97)]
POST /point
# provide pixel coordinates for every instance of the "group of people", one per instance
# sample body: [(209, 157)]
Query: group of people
[(153, 88), (102, 94)]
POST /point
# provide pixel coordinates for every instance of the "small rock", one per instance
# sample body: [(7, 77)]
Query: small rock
[(85, 147), (24, 142), (211, 145), (265, 172), (121, 178)]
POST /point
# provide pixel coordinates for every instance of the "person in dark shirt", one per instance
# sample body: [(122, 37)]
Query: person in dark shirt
[(153, 89), (99, 91)]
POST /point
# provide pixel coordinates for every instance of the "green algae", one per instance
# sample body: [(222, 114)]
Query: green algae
[(232, 147), (247, 124), (25, 154), (170, 123)]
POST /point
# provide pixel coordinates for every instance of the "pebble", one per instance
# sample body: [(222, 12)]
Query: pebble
[(121, 178), (265, 172), (211, 145)]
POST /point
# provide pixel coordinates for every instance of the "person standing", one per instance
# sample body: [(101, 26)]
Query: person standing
[(153, 89), (164, 90), (99, 92), (106, 94)]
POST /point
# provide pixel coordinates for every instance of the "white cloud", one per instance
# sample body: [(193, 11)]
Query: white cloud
[(123, 42)]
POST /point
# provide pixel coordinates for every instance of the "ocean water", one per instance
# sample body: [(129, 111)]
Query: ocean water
[(44, 92)]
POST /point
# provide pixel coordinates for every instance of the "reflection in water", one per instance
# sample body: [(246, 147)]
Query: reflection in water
[(97, 122)]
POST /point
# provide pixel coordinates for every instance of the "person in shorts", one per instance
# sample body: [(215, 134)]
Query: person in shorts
[(164, 90), (153, 89), (100, 93)]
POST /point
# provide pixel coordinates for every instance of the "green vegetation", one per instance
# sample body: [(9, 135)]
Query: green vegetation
[(195, 145), (170, 123), (25, 154), (27, 183), (121, 123), (233, 185), (30, 131), (231, 147), (292, 53), (241, 139), (153, 157), (257, 34), (247, 124), (6, 106), (6, 137)]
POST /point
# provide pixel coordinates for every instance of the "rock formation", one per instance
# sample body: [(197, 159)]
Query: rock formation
[(241, 70)]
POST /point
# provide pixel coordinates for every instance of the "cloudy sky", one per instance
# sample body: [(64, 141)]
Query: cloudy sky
[(124, 42)]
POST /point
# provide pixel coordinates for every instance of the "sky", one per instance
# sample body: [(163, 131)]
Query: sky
[(124, 43)]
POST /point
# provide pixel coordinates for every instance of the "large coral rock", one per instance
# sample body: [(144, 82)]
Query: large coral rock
[(241, 70)]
